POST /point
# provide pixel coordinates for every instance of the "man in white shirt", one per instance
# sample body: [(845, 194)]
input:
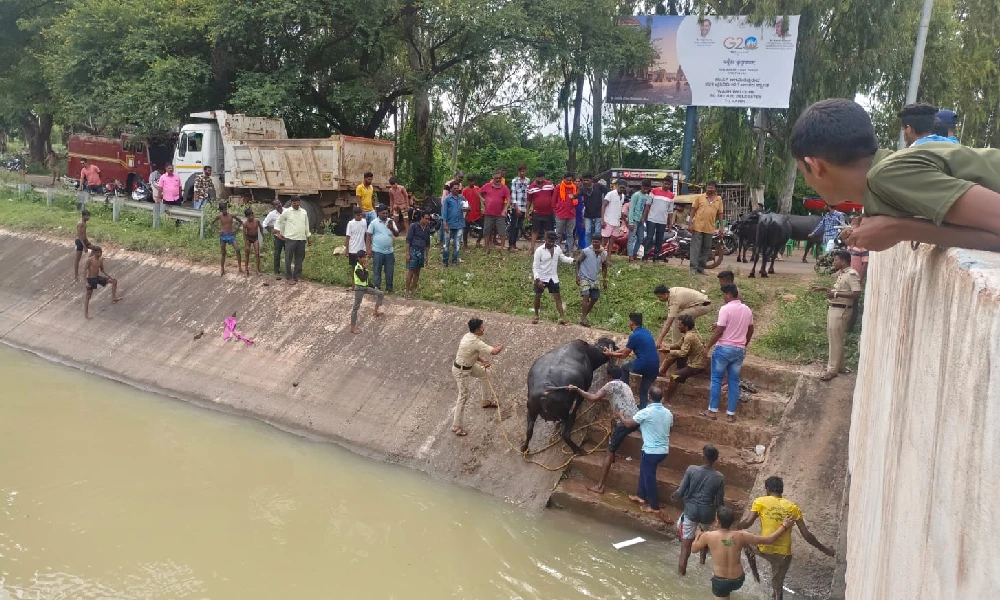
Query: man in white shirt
[(659, 214), (611, 212), (545, 268), (279, 244), (357, 228)]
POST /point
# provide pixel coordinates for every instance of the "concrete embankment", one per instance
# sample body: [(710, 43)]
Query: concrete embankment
[(925, 431), (387, 393)]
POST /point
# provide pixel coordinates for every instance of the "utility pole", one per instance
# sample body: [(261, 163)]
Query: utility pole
[(918, 58), (688, 147)]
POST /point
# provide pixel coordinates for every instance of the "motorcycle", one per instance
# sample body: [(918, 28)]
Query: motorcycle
[(730, 243), (14, 164), (142, 193), (676, 245), (113, 190)]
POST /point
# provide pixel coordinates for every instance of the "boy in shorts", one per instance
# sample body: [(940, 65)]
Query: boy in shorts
[(586, 277), (96, 276), (228, 236), (82, 242), (619, 396), (251, 238), (935, 193)]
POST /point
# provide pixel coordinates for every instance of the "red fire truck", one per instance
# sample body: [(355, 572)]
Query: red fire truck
[(127, 159)]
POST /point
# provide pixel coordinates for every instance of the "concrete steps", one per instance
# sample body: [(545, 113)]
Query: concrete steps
[(624, 477), (686, 450), (757, 423), (611, 507)]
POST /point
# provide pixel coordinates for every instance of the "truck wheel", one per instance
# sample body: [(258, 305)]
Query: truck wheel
[(315, 214)]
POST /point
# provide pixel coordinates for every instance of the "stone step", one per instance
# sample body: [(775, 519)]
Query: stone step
[(686, 450), (743, 433), (624, 478), (611, 507), (766, 405)]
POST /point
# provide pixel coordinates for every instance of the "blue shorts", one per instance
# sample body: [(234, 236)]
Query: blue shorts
[(228, 238)]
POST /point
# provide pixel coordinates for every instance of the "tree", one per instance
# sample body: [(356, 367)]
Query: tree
[(26, 100)]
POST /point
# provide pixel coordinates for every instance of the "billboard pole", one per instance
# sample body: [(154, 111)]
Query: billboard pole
[(686, 149), (918, 58)]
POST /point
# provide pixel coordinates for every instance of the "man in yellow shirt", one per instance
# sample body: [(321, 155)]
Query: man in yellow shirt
[(773, 510), (366, 196), (706, 219)]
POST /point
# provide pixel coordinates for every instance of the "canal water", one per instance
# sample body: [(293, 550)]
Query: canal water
[(110, 492)]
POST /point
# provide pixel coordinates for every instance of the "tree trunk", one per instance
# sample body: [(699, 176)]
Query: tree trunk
[(597, 154), (785, 199), (37, 132), (423, 171), (459, 126), (577, 109)]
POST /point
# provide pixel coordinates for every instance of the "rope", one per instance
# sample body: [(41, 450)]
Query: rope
[(497, 401)]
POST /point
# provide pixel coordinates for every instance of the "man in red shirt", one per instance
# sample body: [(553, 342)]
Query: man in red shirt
[(541, 196), (496, 199), (471, 195), (90, 177)]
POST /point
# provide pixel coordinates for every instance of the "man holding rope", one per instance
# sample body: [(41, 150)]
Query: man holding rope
[(469, 362)]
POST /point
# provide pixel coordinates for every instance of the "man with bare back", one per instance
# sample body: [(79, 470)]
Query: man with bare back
[(96, 276), (726, 546), (82, 242), (251, 238), (228, 235)]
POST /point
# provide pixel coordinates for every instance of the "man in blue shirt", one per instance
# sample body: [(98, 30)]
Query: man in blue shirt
[(381, 233), (828, 226), (453, 222), (655, 422), (636, 218), (647, 357), (945, 127)]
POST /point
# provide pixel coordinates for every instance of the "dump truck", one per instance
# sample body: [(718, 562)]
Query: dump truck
[(256, 161)]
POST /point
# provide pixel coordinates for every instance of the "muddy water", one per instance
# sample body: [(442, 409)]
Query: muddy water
[(110, 492)]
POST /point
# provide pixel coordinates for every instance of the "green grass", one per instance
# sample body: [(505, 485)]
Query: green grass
[(792, 330)]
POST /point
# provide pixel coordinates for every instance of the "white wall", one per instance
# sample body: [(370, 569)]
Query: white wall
[(924, 521)]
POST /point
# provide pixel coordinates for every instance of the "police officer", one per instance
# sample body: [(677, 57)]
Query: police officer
[(841, 298)]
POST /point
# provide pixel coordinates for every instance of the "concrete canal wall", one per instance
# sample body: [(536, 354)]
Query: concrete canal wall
[(387, 393), (925, 429)]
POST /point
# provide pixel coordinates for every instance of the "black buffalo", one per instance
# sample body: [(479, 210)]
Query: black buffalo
[(746, 234), (773, 232), (572, 363), (802, 228)]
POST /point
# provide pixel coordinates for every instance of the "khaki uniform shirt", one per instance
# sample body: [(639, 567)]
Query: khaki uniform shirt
[(470, 348), (926, 180), (706, 213), (848, 280), (692, 348), (682, 298)]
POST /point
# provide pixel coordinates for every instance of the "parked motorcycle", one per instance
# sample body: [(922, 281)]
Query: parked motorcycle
[(113, 189), (14, 164), (730, 242), (142, 193), (676, 245)]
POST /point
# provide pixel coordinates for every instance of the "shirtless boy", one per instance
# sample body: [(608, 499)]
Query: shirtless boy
[(81, 242), (726, 546), (251, 239), (97, 276), (228, 235)]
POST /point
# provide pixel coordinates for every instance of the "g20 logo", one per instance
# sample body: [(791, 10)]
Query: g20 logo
[(738, 43)]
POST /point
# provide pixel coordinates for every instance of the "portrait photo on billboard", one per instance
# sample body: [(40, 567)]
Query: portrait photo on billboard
[(710, 61)]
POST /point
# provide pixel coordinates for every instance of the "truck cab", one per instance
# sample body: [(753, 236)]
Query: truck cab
[(198, 146)]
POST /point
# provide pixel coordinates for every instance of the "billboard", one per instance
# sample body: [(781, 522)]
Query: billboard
[(718, 61)]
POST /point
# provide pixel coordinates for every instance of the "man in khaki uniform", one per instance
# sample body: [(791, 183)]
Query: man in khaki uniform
[(681, 301), (706, 219), (845, 291), (469, 362)]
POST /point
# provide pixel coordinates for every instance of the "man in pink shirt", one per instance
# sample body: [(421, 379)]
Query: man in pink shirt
[(496, 198), (170, 186), (731, 336), (90, 177)]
